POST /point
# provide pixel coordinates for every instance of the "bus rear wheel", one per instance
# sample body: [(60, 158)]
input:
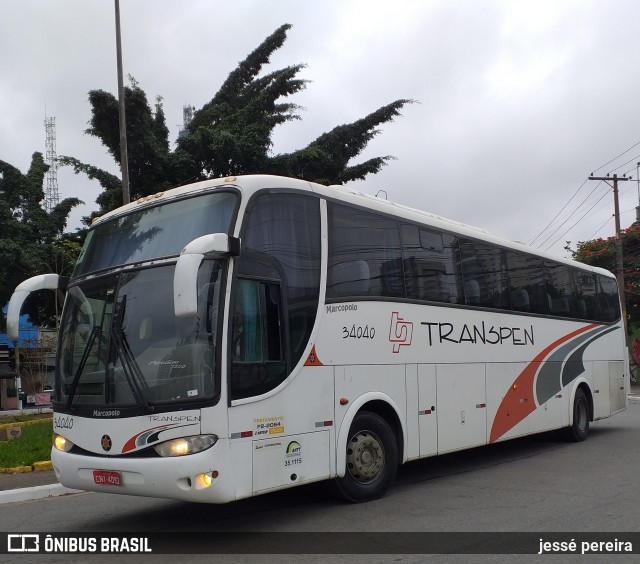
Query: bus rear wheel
[(579, 429), (372, 459)]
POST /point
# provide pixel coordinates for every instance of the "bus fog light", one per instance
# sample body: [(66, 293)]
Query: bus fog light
[(186, 445), (61, 443), (203, 481)]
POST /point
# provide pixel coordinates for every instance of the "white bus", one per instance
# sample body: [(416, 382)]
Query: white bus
[(243, 335)]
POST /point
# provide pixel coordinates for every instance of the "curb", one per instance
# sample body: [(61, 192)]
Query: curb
[(35, 467), (25, 423), (35, 492)]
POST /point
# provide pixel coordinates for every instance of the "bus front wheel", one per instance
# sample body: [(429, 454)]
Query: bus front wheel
[(372, 459), (579, 429)]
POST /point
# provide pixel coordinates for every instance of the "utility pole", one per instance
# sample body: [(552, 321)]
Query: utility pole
[(638, 179), (124, 160), (619, 261)]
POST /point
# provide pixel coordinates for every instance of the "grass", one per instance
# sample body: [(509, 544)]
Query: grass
[(33, 445)]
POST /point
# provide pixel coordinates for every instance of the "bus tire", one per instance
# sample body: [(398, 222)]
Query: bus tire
[(372, 459), (579, 428)]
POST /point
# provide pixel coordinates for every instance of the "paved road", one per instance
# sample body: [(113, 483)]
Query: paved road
[(532, 484)]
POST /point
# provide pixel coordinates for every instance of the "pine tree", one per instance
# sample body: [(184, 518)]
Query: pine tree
[(231, 134)]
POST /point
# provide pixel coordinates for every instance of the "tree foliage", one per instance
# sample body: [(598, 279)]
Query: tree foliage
[(31, 240), (602, 253), (229, 135)]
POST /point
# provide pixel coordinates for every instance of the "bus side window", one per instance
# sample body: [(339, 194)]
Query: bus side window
[(281, 241), (587, 297), (365, 257), (485, 276), (429, 265), (527, 286), (561, 291), (256, 348), (609, 310)]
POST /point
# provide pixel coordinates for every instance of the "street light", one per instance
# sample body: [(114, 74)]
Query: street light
[(124, 161)]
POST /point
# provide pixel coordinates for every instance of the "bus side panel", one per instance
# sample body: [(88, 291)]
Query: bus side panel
[(461, 406), (428, 409), (601, 395), (240, 452), (500, 379), (555, 412), (414, 433), (289, 460), (617, 386), (550, 414), (352, 381), (294, 427)]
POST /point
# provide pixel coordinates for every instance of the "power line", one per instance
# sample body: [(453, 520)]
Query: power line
[(576, 223), (570, 215), (624, 164), (636, 158), (608, 163), (599, 228), (584, 201), (563, 207)]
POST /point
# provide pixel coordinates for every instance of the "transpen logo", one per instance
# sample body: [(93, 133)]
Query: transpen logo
[(400, 332)]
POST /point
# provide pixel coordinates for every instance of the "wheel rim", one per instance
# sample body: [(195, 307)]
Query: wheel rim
[(365, 457)]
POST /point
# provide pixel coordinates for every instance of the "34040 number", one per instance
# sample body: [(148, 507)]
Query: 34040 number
[(358, 332)]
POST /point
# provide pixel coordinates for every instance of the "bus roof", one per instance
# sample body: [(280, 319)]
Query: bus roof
[(249, 184)]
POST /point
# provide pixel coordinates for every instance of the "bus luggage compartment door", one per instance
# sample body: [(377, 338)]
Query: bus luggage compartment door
[(617, 386), (285, 461), (427, 413), (462, 413)]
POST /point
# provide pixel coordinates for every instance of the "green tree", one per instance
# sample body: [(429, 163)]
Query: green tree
[(32, 240), (602, 253), (231, 134)]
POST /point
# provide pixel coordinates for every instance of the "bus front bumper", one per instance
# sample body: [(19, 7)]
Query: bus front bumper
[(204, 477)]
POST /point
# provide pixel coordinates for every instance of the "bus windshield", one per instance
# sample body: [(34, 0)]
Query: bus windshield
[(122, 345), (155, 232)]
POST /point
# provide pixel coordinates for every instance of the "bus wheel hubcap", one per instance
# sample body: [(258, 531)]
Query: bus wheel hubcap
[(365, 457)]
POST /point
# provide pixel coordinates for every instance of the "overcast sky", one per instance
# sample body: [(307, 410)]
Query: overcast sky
[(519, 101)]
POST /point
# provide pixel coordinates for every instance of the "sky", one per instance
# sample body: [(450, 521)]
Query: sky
[(517, 101)]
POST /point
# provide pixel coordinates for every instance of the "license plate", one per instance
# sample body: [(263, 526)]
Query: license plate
[(107, 478)]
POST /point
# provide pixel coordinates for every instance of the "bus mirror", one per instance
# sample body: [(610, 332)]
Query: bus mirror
[(219, 244), (21, 293), (185, 277)]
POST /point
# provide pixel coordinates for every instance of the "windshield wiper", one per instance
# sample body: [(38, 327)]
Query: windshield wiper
[(130, 367), (83, 361), (132, 372)]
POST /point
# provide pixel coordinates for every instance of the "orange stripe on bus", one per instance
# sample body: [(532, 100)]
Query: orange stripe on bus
[(518, 401)]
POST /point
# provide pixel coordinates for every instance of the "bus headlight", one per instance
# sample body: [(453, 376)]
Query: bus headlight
[(65, 445), (186, 445)]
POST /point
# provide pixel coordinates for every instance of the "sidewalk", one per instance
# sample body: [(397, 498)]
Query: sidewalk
[(25, 486)]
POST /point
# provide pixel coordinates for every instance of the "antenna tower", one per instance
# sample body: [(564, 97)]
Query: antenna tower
[(187, 116), (51, 195)]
